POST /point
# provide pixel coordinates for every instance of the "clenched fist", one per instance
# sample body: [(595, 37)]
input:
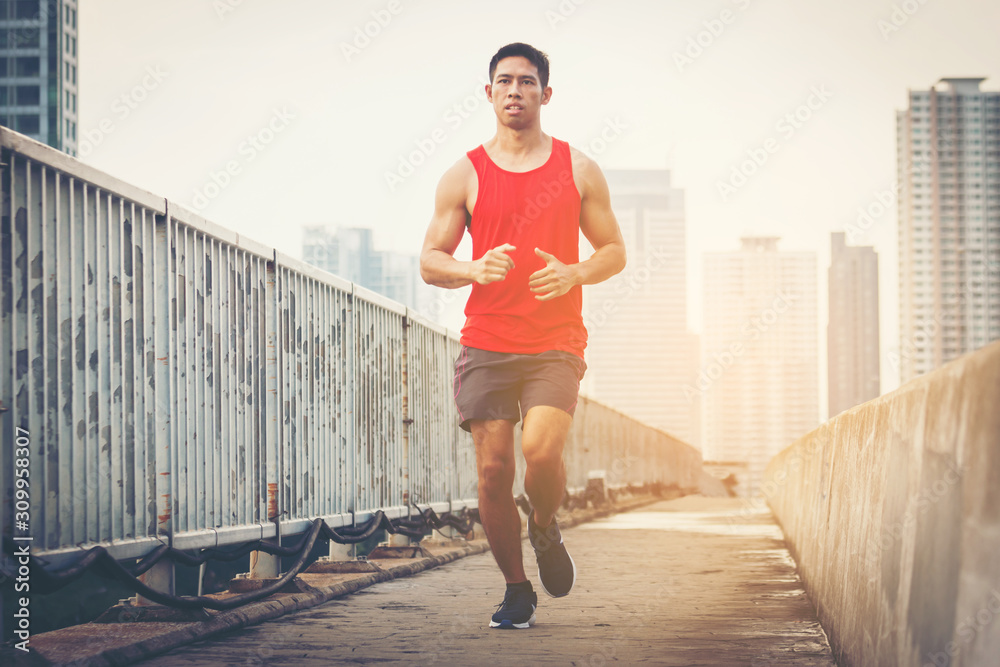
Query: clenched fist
[(493, 265)]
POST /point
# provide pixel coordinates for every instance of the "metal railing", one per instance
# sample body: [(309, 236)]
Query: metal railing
[(178, 383)]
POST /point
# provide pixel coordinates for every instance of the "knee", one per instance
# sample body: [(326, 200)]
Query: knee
[(541, 458), (496, 476)]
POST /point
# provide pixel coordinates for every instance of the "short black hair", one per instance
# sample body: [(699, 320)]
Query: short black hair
[(534, 56)]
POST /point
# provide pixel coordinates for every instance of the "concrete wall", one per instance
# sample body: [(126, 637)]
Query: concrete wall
[(892, 511), (629, 452)]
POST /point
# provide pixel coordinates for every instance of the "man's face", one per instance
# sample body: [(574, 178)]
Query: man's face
[(516, 92)]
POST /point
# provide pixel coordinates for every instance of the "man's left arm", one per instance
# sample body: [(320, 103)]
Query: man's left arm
[(598, 224)]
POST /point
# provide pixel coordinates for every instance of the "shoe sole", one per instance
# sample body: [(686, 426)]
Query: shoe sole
[(508, 624), (552, 595)]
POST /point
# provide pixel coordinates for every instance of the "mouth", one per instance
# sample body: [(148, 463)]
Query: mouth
[(514, 107)]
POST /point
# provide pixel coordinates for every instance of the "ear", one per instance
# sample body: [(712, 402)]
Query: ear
[(546, 94), (489, 92)]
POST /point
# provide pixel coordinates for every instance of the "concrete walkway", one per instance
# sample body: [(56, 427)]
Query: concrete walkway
[(692, 581)]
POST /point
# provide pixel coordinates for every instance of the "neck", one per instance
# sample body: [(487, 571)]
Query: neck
[(519, 142)]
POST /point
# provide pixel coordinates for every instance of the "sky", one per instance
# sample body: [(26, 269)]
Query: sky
[(268, 116)]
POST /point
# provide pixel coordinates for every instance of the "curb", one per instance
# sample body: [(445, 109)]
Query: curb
[(264, 610)]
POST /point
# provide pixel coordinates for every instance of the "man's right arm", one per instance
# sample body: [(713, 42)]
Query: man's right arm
[(438, 265)]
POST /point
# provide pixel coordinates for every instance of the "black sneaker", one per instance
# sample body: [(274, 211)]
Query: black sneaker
[(556, 569), (516, 611)]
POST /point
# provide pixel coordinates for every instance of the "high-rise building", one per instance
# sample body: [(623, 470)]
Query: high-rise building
[(38, 84), (640, 354), (852, 332), (759, 379), (948, 161), (349, 252)]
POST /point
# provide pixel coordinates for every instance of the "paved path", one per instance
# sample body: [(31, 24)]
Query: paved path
[(692, 581)]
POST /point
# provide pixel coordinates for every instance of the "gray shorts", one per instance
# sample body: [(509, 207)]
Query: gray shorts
[(500, 385)]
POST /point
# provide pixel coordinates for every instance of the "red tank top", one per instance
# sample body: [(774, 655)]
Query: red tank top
[(533, 209)]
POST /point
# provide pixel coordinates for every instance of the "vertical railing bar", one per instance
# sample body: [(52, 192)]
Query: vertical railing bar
[(90, 309), (298, 450), (321, 408), (238, 350), (203, 474), (140, 257), (129, 441), (116, 420), (162, 397), (281, 380), (186, 405), (195, 489), (306, 445), (292, 447), (272, 479), (260, 387), (101, 353), (213, 387), (198, 371), (64, 502), (243, 377), (9, 349), (175, 341), (48, 344), (39, 356), (232, 389)]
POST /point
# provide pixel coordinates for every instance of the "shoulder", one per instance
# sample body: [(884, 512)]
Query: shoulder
[(457, 176), (586, 173)]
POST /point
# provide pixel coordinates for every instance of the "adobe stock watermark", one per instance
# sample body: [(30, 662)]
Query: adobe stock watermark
[(121, 108), (777, 480), (967, 631), (247, 152), (365, 34), (787, 126), (899, 17), (609, 133), (882, 201), (926, 499), (562, 12), (550, 190), (225, 7), (625, 286), (271, 638), (424, 147), (751, 330), (923, 334), (30, 36), (712, 29)]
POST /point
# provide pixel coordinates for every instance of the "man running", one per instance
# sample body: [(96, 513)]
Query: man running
[(524, 197)]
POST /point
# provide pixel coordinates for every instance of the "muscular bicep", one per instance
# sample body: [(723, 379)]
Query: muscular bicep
[(450, 212), (597, 220)]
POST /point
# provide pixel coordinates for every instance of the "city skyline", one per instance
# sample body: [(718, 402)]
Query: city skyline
[(770, 115)]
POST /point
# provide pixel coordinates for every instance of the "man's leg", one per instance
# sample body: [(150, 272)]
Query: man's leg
[(543, 437), (545, 431), (494, 440)]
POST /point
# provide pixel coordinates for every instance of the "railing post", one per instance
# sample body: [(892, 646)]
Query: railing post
[(161, 576), (341, 551), (262, 564), (402, 540)]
